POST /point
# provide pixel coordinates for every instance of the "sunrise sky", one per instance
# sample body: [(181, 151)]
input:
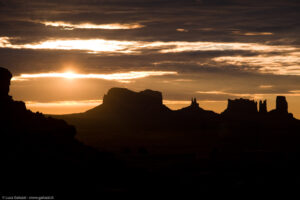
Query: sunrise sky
[(65, 55)]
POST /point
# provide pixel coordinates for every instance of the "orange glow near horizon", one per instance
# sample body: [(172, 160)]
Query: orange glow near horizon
[(68, 107), (62, 107)]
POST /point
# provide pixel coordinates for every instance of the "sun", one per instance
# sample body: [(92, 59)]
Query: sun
[(69, 75)]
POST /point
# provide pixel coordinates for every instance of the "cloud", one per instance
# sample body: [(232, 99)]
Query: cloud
[(70, 26), (249, 44), (90, 45), (252, 33), (101, 45), (265, 86), (182, 30), (121, 77), (284, 64)]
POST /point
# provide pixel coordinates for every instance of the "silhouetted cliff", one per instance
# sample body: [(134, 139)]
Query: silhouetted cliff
[(39, 154), (5, 77)]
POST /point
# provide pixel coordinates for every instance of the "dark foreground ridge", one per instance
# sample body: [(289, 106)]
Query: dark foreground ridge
[(190, 151), (40, 155)]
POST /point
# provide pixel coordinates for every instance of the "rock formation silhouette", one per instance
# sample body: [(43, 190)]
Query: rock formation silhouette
[(240, 108), (241, 148), (281, 110), (194, 111), (145, 109), (122, 101), (263, 106), (281, 104), (245, 109), (5, 77), (124, 97), (194, 103), (194, 107), (39, 154)]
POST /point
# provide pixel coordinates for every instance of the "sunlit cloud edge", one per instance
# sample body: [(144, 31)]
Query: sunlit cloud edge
[(128, 47), (124, 77), (112, 26)]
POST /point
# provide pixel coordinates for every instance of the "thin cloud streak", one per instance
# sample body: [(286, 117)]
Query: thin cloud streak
[(288, 64), (121, 77), (90, 45), (295, 93), (265, 86), (177, 47), (252, 33), (116, 46), (70, 26)]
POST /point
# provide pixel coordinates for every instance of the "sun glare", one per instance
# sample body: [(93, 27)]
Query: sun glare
[(69, 75)]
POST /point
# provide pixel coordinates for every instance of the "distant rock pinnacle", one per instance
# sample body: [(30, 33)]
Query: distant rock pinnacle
[(281, 104), (5, 77), (263, 106), (194, 103)]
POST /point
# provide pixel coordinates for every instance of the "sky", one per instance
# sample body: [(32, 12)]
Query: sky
[(65, 55)]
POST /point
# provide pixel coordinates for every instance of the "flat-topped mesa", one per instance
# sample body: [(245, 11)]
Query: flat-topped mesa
[(5, 77), (241, 106), (122, 97)]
